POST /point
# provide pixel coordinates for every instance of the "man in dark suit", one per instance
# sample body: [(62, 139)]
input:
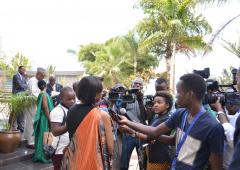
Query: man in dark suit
[(19, 84), (53, 89)]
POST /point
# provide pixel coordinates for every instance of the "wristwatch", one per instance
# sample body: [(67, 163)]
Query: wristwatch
[(220, 112)]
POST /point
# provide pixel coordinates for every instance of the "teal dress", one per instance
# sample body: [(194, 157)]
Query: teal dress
[(40, 126)]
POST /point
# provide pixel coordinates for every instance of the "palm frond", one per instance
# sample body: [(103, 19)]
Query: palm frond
[(234, 48), (192, 42), (184, 6), (219, 31), (153, 39)]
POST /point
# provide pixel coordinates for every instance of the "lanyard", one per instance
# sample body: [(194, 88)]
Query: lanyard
[(183, 139)]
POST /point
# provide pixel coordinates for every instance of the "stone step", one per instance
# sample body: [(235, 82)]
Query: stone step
[(21, 159), (21, 154)]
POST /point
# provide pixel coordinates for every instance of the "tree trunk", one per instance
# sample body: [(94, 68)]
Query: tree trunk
[(168, 62), (172, 75), (135, 65)]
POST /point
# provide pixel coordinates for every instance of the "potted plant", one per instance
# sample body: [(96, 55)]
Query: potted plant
[(11, 107)]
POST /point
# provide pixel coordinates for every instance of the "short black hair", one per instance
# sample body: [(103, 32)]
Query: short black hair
[(88, 88), (42, 84), (20, 67), (168, 98), (64, 90), (75, 86), (161, 80), (194, 82), (100, 78)]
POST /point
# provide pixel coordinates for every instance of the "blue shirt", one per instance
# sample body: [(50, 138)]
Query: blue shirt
[(205, 137)]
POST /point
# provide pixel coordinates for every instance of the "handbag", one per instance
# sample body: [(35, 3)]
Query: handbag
[(48, 149)]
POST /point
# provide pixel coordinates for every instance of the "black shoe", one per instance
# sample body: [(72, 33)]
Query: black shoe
[(30, 147), (21, 129)]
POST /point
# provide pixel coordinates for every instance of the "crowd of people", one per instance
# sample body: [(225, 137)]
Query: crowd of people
[(95, 129)]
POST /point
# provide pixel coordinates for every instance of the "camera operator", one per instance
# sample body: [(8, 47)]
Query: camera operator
[(138, 110), (228, 122), (161, 85), (212, 87)]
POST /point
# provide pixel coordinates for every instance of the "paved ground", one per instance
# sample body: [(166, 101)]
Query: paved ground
[(29, 165)]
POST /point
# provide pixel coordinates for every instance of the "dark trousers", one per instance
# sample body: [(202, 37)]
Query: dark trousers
[(57, 161), (128, 144)]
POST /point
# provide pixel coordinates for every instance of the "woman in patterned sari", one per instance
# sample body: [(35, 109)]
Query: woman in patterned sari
[(41, 121), (90, 130)]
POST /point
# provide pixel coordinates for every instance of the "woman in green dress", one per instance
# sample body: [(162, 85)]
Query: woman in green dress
[(41, 121)]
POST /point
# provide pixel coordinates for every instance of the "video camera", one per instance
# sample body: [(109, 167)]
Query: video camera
[(123, 95), (205, 73), (148, 101), (225, 98), (215, 90)]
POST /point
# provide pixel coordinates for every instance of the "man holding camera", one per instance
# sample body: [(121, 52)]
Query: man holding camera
[(228, 122), (138, 110)]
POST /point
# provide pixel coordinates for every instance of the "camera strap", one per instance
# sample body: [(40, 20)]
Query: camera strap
[(184, 137)]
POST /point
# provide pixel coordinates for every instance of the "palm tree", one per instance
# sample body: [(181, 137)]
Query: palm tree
[(108, 64), (132, 46), (172, 27), (141, 58)]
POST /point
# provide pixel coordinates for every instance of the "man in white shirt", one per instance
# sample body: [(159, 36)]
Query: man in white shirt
[(30, 114), (228, 122)]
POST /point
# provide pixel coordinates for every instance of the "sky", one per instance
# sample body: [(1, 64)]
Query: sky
[(44, 31)]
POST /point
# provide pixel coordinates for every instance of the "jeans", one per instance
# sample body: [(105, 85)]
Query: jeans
[(128, 144)]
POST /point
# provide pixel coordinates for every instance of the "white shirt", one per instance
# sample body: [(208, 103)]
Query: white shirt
[(33, 86), (56, 116), (229, 129), (20, 76), (54, 87)]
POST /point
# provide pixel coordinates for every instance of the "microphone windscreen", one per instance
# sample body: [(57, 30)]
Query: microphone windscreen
[(123, 111)]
